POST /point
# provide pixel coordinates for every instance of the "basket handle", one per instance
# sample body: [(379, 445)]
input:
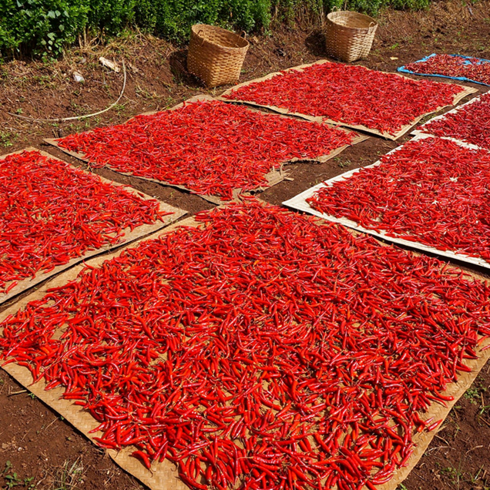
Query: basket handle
[(372, 26), (199, 33)]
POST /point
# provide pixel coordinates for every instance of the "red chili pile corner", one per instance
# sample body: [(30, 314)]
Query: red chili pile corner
[(470, 124), (209, 147), (51, 212), (257, 352)]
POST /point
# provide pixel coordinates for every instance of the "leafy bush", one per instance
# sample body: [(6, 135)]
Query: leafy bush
[(288, 9), (174, 18), (110, 16), (44, 27), (41, 27)]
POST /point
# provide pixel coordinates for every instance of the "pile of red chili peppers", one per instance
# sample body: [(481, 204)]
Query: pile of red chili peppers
[(211, 147), (473, 69), (51, 212), (351, 95), (431, 191), (262, 351), (471, 123)]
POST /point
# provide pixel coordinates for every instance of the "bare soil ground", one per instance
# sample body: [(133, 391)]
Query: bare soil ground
[(37, 448)]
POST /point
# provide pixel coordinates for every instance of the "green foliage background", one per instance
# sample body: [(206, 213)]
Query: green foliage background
[(44, 27)]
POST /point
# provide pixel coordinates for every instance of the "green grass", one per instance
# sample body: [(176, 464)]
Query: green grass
[(7, 138), (12, 480)]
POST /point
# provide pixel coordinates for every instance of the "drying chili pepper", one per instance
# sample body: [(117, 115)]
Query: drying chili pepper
[(209, 147), (432, 191), (51, 212), (351, 95), (264, 350), (472, 69), (470, 123)]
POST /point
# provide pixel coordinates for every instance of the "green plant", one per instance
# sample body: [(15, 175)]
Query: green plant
[(455, 475), (343, 163), (12, 480), (43, 27), (70, 476), (475, 392), (7, 138)]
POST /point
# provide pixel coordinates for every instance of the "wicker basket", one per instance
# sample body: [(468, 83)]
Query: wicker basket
[(349, 35), (216, 55)]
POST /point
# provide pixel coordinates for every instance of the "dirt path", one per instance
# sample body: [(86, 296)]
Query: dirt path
[(45, 452)]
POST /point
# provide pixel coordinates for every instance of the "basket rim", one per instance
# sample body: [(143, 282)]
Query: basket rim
[(195, 27), (343, 12)]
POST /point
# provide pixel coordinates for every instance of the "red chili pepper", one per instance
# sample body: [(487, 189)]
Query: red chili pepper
[(247, 352), (352, 95), (51, 212), (431, 191), (209, 147), (470, 123), (143, 457), (454, 66)]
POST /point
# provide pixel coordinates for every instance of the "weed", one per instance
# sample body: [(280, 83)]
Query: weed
[(475, 393), (70, 476), (457, 431), (12, 480), (145, 94), (344, 163), (169, 102), (119, 108), (472, 395), (456, 475), (44, 81), (476, 477), (483, 409), (7, 138)]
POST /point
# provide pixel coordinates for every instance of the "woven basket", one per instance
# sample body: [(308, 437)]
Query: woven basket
[(216, 55), (349, 35)]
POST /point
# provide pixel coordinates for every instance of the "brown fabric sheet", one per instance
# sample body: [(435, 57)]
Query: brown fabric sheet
[(273, 177), (282, 110), (163, 476), (129, 235)]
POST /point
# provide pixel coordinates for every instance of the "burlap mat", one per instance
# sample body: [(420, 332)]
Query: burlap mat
[(163, 476), (299, 203), (129, 235), (282, 110), (272, 178)]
